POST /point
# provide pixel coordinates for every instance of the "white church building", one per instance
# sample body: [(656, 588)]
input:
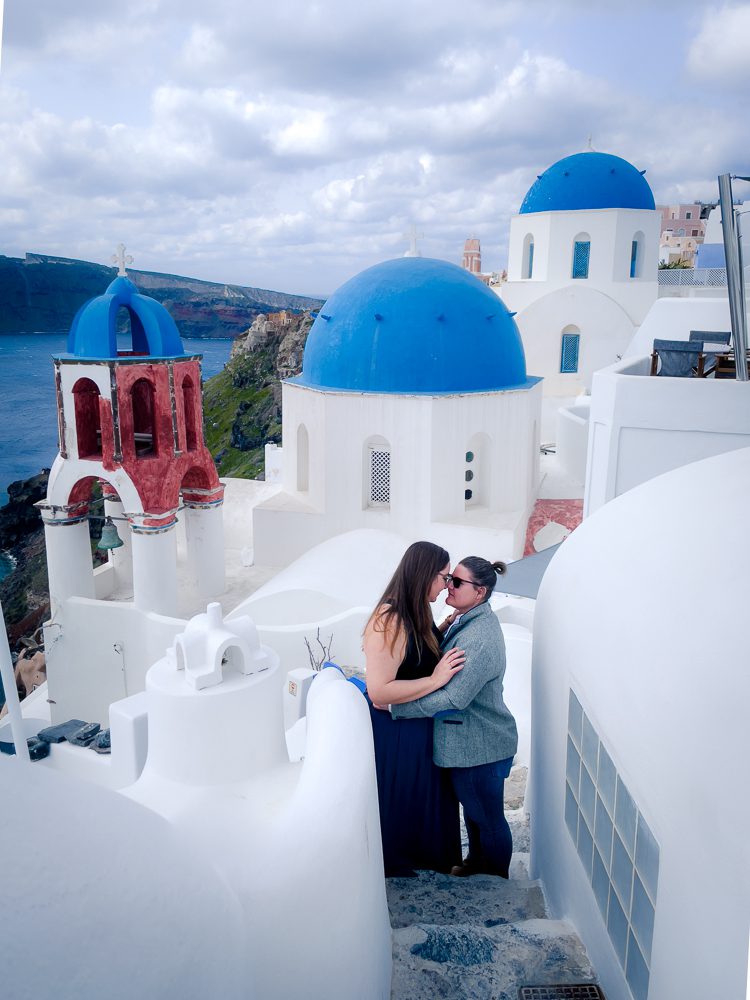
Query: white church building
[(583, 258), (413, 405)]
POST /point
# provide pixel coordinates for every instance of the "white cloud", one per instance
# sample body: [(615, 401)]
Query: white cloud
[(721, 49), (290, 145)]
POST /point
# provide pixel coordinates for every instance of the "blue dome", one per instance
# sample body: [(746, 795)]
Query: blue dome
[(94, 330), (588, 180), (414, 325)]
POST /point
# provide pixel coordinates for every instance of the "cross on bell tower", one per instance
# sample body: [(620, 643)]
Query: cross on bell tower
[(122, 260)]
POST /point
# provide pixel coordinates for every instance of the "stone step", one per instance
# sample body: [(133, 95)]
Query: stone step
[(482, 900), (467, 962)]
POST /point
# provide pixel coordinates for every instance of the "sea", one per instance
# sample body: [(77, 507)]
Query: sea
[(28, 412)]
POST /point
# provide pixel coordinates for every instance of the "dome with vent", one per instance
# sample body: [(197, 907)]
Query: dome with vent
[(588, 181), (414, 325), (94, 330)]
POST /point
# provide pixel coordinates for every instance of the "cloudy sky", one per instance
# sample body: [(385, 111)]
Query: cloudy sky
[(290, 143)]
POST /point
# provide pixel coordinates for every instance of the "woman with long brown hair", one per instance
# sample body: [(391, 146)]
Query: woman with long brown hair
[(418, 809)]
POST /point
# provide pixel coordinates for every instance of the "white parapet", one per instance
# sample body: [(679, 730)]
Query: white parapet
[(299, 844)]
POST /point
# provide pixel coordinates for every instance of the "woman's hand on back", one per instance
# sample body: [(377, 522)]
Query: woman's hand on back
[(448, 666)]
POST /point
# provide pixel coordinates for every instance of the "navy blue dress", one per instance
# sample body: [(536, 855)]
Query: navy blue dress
[(419, 818)]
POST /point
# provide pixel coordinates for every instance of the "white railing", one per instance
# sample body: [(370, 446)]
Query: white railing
[(696, 277), (693, 277)]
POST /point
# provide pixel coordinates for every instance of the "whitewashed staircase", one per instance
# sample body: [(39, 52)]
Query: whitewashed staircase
[(481, 938)]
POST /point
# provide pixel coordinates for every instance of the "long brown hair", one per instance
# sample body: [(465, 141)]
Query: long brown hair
[(405, 606)]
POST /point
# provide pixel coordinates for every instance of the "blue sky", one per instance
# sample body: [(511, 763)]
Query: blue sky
[(289, 144)]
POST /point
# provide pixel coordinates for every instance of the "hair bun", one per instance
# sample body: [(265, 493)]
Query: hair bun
[(500, 567)]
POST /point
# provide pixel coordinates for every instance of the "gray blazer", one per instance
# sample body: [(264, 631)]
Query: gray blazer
[(480, 729)]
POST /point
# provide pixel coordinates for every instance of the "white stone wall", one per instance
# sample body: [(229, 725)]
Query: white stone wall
[(611, 232), (642, 426), (604, 309), (652, 640), (428, 437)]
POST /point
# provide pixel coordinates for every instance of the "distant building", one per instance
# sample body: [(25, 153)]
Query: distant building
[(683, 228), (472, 262), (472, 256)]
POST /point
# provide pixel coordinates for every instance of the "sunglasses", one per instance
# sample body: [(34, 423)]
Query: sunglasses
[(457, 581)]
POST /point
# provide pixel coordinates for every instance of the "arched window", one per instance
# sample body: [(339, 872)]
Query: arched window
[(527, 265), (636, 251), (477, 471), (88, 418), (581, 254), (191, 421), (569, 347), (377, 473), (144, 430), (303, 459)]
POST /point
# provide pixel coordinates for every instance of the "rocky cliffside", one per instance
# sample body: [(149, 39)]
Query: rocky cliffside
[(242, 404), (41, 294), (24, 592)]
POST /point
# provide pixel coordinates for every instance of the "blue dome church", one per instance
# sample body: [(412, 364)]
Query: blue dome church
[(582, 267), (412, 404)]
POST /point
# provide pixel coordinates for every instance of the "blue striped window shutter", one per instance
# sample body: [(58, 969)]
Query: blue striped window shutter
[(569, 352), (581, 252)]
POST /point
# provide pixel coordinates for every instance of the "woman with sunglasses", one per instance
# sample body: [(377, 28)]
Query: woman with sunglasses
[(419, 817), (475, 736)]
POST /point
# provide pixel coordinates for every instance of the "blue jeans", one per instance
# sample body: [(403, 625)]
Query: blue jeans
[(480, 792)]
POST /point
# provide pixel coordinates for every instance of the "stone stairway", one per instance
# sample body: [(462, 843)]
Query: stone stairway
[(481, 938)]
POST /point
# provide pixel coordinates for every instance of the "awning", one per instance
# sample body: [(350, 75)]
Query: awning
[(524, 576)]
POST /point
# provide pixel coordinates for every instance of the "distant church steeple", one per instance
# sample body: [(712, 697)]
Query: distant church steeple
[(472, 261)]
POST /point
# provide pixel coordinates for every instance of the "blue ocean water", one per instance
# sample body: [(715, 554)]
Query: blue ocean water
[(28, 412)]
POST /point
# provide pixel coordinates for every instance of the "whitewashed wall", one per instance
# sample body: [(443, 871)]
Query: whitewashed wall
[(572, 438), (652, 640), (611, 232), (642, 426), (604, 328), (99, 652), (428, 438)]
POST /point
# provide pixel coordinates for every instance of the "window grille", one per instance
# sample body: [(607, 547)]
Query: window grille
[(633, 258), (380, 477), (569, 352), (581, 252)]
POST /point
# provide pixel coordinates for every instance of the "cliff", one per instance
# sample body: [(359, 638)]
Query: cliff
[(242, 404), (41, 294)]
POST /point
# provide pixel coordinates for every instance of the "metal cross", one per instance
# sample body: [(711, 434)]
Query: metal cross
[(121, 259), (413, 236)]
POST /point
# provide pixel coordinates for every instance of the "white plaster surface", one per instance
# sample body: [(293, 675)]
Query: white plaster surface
[(643, 612), (605, 308), (115, 899), (642, 425), (673, 319), (428, 438), (299, 845)]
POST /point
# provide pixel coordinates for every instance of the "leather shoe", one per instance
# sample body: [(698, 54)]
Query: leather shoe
[(463, 870)]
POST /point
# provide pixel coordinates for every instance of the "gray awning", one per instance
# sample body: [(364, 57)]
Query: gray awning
[(524, 575)]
